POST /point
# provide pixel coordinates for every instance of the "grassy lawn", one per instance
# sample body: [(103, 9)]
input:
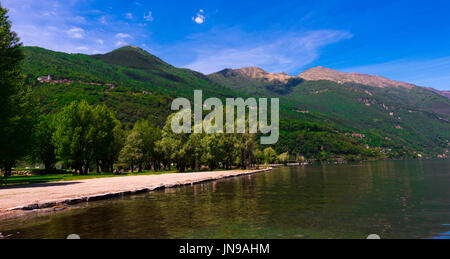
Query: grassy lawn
[(20, 180)]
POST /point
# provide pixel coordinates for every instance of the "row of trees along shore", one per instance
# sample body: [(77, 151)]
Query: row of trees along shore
[(82, 136)]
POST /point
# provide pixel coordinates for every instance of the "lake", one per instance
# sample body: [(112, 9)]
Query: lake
[(393, 199)]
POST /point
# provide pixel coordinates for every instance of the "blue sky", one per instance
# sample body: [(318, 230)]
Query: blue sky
[(401, 40)]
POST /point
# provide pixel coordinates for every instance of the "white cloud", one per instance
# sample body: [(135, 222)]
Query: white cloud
[(123, 35), (103, 20), (200, 17), (79, 19), (82, 48), (149, 17), (68, 27), (129, 16), (121, 43), (287, 52), (76, 33)]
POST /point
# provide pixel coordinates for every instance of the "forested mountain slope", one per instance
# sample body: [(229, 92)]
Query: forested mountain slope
[(320, 119), (411, 116)]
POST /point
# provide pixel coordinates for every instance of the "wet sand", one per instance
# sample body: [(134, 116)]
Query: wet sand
[(49, 195)]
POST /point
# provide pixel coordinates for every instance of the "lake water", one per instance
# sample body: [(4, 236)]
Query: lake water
[(393, 199)]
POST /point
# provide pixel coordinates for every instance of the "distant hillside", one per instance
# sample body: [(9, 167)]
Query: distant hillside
[(143, 84), (397, 111), (320, 119), (322, 73), (443, 93)]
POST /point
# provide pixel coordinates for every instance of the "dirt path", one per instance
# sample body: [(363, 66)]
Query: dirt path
[(48, 195)]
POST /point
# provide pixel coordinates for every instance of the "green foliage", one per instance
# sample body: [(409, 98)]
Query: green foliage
[(16, 107), (133, 151), (260, 157), (270, 156), (44, 150), (108, 138), (85, 134), (214, 150), (149, 135), (326, 111), (173, 146), (283, 158)]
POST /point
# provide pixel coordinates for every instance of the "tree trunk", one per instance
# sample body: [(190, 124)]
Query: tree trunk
[(98, 167), (47, 167)]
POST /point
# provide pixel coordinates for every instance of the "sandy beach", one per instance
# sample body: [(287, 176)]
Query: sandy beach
[(49, 195)]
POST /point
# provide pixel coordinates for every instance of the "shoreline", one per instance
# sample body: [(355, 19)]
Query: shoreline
[(18, 200)]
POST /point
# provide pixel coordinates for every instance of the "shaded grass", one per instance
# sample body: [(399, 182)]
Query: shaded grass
[(34, 179)]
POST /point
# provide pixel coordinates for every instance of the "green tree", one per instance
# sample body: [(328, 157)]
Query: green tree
[(195, 150), (270, 155), (172, 146), (133, 151), (149, 135), (16, 109), (283, 158), (227, 144), (44, 150), (260, 158), (114, 150), (245, 145), (213, 148), (75, 135), (107, 137)]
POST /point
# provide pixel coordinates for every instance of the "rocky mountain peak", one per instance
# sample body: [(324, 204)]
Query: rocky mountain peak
[(322, 73), (258, 73)]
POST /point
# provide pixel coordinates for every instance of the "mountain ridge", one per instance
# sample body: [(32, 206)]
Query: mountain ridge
[(322, 73)]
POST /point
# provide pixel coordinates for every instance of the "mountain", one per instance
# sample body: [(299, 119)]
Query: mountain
[(251, 79), (134, 57), (258, 73), (129, 80), (443, 93), (322, 73), (321, 119), (375, 106)]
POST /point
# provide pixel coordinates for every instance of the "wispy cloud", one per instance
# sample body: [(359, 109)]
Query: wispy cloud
[(66, 27), (121, 43), (76, 33), (129, 16), (283, 53), (103, 20), (123, 35), (148, 17)]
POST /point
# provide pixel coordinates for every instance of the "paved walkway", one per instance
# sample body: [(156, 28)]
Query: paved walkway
[(48, 195)]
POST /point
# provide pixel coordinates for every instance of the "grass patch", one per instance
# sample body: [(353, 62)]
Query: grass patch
[(23, 180)]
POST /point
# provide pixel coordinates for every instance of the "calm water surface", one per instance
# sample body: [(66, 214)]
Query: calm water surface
[(394, 199)]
